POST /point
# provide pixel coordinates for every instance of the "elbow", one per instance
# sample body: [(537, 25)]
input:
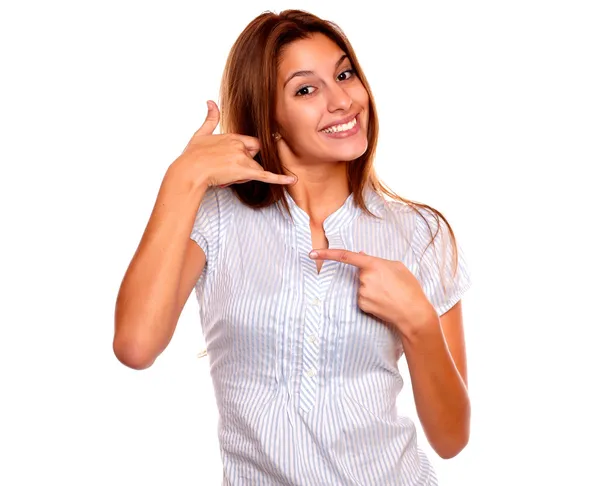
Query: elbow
[(454, 438), (453, 447), (449, 453), (132, 356)]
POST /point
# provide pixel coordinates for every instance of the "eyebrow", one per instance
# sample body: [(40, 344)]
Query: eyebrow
[(309, 73)]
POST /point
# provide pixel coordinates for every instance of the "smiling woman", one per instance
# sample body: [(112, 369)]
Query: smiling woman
[(303, 351), (294, 82)]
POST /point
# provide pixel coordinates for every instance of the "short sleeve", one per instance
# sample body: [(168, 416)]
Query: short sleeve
[(443, 279), (207, 226)]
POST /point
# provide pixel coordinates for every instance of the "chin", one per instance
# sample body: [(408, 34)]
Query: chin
[(343, 150), (351, 151)]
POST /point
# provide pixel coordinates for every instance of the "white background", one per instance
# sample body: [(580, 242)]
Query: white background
[(490, 112)]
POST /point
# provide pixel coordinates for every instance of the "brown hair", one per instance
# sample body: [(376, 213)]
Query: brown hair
[(248, 97)]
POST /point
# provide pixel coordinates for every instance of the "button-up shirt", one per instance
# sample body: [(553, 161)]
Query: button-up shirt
[(305, 381)]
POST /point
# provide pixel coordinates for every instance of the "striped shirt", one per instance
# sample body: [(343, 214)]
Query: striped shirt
[(305, 381)]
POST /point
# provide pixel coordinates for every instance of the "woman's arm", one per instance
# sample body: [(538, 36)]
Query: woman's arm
[(149, 301), (435, 354), (434, 347)]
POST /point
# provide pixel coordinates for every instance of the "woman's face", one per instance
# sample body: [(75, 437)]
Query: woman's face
[(322, 108)]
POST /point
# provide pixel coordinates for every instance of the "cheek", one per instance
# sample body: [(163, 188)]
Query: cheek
[(362, 98), (301, 118), (359, 95)]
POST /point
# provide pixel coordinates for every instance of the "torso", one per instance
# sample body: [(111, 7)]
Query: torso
[(293, 358)]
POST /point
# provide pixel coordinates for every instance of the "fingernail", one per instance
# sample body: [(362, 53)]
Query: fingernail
[(313, 254), (290, 179)]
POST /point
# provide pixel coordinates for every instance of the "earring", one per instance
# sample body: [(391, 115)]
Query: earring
[(276, 136)]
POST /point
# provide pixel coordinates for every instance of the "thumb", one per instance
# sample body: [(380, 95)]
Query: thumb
[(212, 119)]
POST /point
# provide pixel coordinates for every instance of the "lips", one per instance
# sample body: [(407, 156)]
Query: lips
[(340, 122)]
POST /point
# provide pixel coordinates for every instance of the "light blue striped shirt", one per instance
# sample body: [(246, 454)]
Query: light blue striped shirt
[(305, 381)]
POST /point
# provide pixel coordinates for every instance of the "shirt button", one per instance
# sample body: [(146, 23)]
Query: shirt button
[(312, 338), (312, 372), (315, 301)]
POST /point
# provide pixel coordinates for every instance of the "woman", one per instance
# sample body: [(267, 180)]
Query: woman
[(303, 349)]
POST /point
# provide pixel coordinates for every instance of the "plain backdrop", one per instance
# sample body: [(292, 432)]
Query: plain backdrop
[(489, 111)]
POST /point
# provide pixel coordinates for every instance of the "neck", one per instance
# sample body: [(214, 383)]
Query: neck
[(320, 191)]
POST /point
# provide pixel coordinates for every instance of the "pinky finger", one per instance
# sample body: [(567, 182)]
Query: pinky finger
[(271, 178)]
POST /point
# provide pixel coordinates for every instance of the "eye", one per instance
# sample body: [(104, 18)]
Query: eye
[(348, 73), (304, 90)]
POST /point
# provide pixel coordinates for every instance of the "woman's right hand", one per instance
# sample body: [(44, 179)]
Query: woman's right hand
[(221, 160)]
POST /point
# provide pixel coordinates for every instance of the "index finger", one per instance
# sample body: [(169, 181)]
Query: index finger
[(359, 260)]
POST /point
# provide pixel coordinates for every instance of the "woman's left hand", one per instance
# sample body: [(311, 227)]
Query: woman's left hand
[(388, 290)]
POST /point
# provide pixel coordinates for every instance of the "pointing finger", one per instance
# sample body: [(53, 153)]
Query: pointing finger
[(359, 260)]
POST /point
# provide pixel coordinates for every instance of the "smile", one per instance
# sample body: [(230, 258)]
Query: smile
[(341, 128)]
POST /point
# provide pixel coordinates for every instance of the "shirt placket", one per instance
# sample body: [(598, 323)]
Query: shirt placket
[(310, 345), (316, 287)]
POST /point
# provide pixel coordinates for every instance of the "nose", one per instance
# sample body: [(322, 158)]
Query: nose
[(338, 98)]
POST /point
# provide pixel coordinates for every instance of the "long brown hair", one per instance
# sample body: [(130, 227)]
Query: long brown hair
[(248, 97)]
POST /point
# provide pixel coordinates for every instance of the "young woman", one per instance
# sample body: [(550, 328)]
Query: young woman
[(303, 348)]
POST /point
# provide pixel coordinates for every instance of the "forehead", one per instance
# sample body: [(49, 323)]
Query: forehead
[(315, 53)]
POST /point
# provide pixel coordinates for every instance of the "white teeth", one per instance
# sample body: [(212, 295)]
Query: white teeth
[(341, 128)]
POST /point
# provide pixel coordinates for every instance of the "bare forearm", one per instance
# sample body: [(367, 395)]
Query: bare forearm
[(441, 396), (147, 297)]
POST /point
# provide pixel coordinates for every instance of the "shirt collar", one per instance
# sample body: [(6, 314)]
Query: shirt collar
[(343, 216)]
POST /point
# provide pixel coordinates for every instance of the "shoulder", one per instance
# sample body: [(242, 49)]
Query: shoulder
[(412, 220), (220, 194), (389, 210), (217, 202), (420, 225)]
